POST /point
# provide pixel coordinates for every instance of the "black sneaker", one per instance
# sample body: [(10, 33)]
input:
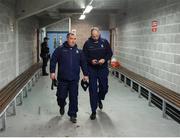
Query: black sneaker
[(73, 119), (93, 116), (100, 105), (61, 111)]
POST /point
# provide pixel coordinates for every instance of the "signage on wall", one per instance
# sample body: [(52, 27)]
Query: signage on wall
[(154, 26), (74, 31)]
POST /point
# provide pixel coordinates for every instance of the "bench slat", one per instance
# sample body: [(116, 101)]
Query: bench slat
[(162, 91), (5, 91), (10, 91)]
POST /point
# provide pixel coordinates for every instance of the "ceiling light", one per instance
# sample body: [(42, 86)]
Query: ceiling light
[(82, 17), (88, 9)]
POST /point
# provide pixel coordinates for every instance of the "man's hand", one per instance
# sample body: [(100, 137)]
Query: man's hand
[(101, 61), (85, 78), (53, 76), (94, 61)]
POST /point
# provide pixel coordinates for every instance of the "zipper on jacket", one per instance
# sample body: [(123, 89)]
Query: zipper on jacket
[(71, 60)]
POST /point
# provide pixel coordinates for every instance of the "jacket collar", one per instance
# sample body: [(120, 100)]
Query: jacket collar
[(92, 40), (65, 44)]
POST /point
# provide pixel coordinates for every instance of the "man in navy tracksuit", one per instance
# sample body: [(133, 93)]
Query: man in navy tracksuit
[(97, 51), (69, 59)]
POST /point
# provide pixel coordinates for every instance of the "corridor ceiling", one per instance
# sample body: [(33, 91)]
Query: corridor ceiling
[(75, 8)]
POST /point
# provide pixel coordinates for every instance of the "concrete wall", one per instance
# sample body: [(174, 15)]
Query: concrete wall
[(7, 45), (83, 26), (153, 55), (26, 46), (62, 25), (27, 43)]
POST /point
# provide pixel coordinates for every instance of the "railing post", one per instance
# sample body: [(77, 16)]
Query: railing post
[(164, 109), (14, 107), (139, 91), (149, 98), (3, 122)]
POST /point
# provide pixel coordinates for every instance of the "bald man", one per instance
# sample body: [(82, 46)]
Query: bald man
[(97, 52)]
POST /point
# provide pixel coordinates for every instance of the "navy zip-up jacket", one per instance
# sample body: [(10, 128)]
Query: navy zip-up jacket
[(69, 60), (100, 50)]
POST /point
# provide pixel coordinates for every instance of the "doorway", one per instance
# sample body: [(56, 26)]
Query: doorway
[(56, 39)]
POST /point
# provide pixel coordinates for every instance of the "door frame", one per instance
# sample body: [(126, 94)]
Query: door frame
[(38, 45), (113, 38)]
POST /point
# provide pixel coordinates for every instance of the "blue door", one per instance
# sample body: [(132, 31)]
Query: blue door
[(106, 35), (55, 39)]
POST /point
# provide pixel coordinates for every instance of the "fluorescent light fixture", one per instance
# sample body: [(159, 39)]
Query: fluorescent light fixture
[(82, 17), (88, 9)]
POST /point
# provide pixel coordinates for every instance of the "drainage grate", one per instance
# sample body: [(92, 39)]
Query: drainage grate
[(135, 86), (173, 112), (128, 82), (122, 78), (157, 101), (144, 93)]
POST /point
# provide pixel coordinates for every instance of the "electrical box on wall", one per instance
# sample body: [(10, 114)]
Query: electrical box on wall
[(154, 26)]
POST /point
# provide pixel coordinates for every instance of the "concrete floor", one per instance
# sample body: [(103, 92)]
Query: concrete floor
[(124, 114)]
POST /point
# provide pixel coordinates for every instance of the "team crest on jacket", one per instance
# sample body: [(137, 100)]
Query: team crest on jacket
[(77, 51), (102, 45)]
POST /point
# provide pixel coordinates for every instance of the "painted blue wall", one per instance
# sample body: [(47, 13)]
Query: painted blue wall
[(54, 40)]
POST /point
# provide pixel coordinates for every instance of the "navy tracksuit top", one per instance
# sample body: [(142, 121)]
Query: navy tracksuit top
[(100, 50), (69, 60)]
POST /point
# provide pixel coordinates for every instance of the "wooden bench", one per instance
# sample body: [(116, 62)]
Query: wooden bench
[(17, 88), (164, 98)]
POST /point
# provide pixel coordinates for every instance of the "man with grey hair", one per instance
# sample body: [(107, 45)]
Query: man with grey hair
[(97, 51)]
